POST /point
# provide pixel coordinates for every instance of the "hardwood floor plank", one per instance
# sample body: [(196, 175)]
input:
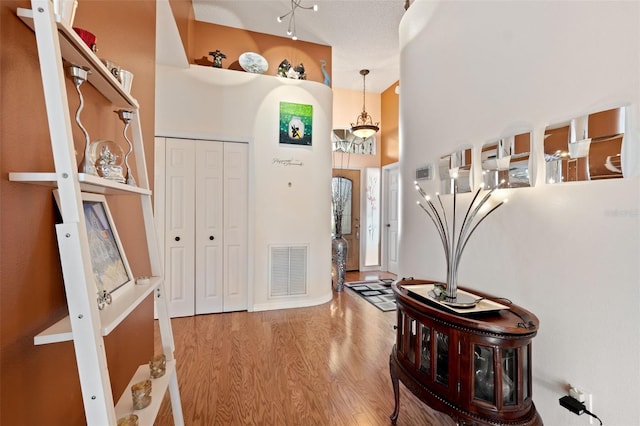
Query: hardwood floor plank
[(323, 365)]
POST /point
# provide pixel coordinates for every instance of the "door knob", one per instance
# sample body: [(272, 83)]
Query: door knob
[(388, 225), (177, 238), (211, 237)]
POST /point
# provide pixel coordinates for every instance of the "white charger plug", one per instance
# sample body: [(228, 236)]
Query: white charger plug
[(577, 394)]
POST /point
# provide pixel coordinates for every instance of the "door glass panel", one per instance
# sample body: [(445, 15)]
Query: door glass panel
[(483, 367), (425, 350), (509, 376), (341, 193), (442, 358)]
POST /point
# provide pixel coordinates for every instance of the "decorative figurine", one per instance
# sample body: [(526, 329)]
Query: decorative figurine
[(283, 68), (218, 56), (301, 73), (327, 80), (107, 167), (286, 70)]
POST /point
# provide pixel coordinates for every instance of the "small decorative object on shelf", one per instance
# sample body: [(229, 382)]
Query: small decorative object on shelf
[(129, 420), (88, 37), (301, 74), (141, 394), (286, 70), (158, 366), (325, 74), (108, 157), (218, 56), (284, 67), (104, 298), (126, 79), (454, 244), (126, 117), (142, 280), (66, 10), (79, 75), (253, 62)]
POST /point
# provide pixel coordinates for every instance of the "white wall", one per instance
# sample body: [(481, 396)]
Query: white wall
[(288, 205), (472, 71)]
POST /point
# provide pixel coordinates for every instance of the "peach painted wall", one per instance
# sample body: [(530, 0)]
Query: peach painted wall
[(40, 384), (185, 21), (347, 105), (389, 148)]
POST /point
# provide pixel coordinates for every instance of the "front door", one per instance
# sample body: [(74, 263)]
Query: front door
[(351, 216)]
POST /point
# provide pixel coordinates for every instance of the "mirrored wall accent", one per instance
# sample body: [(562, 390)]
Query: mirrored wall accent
[(585, 148), (507, 159), (343, 140), (455, 169)]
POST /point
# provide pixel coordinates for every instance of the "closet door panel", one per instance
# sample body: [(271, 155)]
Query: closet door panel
[(179, 246), (209, 236), (235, 226)]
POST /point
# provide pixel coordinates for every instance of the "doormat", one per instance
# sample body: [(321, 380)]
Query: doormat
[(376, 292)]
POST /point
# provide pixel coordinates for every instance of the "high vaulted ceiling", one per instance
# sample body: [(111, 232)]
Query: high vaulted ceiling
[(363, 34)]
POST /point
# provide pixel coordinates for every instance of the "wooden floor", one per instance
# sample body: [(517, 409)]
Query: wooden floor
[(323, 365)]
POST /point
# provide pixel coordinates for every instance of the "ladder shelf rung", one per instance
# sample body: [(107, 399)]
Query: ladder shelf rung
[(88, 183), (125, 300), (159, 386)]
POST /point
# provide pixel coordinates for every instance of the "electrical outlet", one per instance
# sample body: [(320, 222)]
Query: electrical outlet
[(577, 394), (589, 404)]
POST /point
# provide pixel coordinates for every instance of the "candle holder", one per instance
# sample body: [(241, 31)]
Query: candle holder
[(129, 420), (158, 366), (141, 394), (79, 76), (126, 117)]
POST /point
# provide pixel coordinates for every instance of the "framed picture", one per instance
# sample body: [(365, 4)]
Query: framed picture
[(296, 123), (110, 266)]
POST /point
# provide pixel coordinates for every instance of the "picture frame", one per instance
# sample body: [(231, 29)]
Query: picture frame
[(111, 269), (296, 124)]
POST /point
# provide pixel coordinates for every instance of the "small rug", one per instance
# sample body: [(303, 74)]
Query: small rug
[(376, 292)]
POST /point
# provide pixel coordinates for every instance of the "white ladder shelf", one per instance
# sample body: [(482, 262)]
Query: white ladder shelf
[(86, 325)]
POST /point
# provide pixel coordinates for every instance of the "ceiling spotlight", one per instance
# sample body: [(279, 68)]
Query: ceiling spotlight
[(295, 4), (364, 127)]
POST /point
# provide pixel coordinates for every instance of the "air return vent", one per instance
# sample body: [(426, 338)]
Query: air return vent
[(288, 270)]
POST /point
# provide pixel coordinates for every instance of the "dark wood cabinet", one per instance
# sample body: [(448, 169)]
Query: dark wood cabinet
[(475, 367)]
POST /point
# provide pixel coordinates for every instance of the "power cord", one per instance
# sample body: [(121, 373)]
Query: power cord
[(577, 407)]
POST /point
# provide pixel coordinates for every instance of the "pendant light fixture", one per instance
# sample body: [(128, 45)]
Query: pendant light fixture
[(291, 29), (364, 127)]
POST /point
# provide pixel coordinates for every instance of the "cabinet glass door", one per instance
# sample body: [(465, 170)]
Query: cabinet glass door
[(425, 349), (442, 358), (509, 376), (484, 375)]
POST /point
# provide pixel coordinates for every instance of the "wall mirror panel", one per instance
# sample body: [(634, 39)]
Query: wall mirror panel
[(507, 159), (585, 148), (455, 169)]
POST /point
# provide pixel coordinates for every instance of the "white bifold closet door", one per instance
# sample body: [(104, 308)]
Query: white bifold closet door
[(206, 226)]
